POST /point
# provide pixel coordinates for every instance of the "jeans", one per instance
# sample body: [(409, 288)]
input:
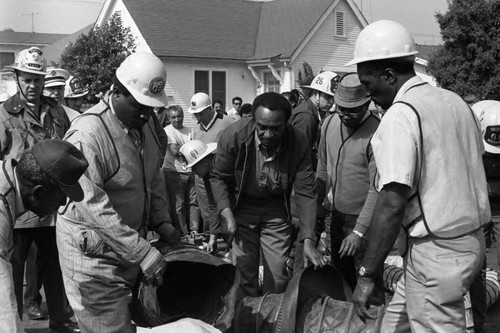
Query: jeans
[(182, 195)]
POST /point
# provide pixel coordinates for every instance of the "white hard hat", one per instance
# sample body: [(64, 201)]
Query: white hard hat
[(383, 39), (144, 76), (195, 150), (199, 102), (488, 113), (56, 77), (4, 96), (30, 60), (325, 82), (74, 88)]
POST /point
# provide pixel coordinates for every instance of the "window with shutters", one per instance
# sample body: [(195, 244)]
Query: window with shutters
[(340, 24)]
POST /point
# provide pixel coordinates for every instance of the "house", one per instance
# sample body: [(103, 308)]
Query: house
[(11, 43), (230, 48)]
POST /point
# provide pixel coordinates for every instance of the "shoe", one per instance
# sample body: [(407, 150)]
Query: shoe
[(35, 312), (66, 326)]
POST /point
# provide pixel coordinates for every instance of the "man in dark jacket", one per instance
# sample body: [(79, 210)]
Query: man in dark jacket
[(257, 162), (308, 114)]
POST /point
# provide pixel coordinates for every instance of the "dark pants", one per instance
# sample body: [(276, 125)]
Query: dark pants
[(262, 231), (48, 258), (33, 277), (478, 298), (341, 226)]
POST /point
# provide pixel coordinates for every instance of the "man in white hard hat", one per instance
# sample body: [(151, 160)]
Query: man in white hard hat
[(308, 114), (25, 119), (198, 157), (210, 124), (428, 150), (102, 239), (346, 168), (74, 93), (257, 163)]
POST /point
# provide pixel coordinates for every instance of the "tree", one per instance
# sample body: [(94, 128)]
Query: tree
[(469, 61), (95, 56)]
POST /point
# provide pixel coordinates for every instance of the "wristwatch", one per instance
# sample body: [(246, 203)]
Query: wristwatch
[(357, 233)]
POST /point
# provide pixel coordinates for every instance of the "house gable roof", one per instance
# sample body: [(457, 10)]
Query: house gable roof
[(29, 38), (225, 29), (284, 24)]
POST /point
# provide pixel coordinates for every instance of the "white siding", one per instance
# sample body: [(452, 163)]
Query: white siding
[(325, 51), (180, 83)]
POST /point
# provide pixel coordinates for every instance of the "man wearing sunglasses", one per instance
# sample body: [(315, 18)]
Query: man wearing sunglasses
[(346, 169)]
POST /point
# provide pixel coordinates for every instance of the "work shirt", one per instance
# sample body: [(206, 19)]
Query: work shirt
[(435, 148), (124, 191), (178, 137)]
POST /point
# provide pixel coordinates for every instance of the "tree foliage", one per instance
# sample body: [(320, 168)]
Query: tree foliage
[(469, 61), (95, 56)]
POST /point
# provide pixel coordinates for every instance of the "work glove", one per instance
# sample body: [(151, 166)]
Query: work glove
[(153, 267)]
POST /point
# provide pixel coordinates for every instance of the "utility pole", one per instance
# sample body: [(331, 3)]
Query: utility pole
[(32, 20)]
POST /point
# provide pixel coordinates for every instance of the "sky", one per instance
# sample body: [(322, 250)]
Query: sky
[(69, 16)]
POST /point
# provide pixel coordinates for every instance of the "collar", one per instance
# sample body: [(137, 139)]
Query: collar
[(206, 128), (406, 86), (260, 148), (110, 103), (20, 209)]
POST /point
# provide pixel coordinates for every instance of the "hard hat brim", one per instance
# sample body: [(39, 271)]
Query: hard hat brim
[(211, 147), (82, 94), (17, 68), (491, 149), (328, 93), (158, 101), (54, 84), (192, 111), (382, 57)]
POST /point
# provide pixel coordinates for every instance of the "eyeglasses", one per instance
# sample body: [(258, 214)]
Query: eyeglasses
[(350, 114), (237, 103)]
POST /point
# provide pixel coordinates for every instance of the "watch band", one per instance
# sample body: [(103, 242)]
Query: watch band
[(357, 233)]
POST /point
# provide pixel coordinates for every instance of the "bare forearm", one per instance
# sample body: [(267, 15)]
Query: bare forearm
[(385, 225)]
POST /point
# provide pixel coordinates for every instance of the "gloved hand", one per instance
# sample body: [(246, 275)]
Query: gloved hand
[(168, 233), (153, 267)]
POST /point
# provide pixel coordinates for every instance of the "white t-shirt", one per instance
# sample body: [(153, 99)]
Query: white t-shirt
[(178, 137)]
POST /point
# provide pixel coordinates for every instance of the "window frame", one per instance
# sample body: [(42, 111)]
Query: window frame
[(210, 70)]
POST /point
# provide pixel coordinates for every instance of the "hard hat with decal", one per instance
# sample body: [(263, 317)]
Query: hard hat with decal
[(199, 102), (325, 82), (74, 88), (383, 39), (195, 150), (30, 60), (144, 76), (56, 77), (488, 113)]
